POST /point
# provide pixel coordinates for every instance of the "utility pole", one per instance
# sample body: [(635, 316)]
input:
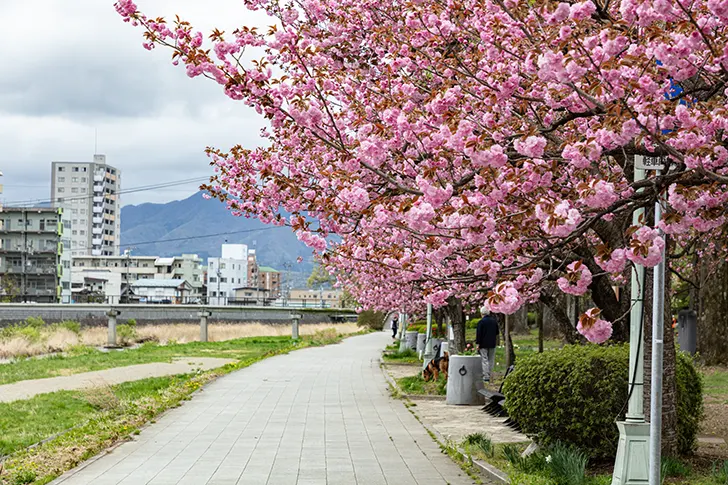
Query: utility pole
[(127, 253), (219, 275)]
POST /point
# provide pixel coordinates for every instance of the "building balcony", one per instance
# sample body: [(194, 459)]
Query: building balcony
[(97, 230), (98, 199), (96, 241), (99, 177), (97, 220), (97, 210), (95, 252)]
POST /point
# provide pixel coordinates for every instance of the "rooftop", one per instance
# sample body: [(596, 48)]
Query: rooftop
[(158, 283), (267, 269)]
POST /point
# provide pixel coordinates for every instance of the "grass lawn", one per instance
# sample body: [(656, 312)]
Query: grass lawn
[(85, 359), (417, 385), (79, 424)]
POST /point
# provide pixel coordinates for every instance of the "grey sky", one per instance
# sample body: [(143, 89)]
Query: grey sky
[(71, 68)]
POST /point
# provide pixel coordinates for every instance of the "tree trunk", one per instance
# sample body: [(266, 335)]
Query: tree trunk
[(558, 311), (439, 317), (539, 324), (669, 390), (455, 312), (506, 335), (519, 321), (712, 331)]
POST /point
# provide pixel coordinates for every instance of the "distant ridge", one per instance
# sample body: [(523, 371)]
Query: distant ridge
[(194, 216)]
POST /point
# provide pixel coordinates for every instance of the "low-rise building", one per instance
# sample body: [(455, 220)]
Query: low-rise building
[(161, 291), (320, 298), (270, 279), (226, 273), (96, 286), (31, 253), (132, 268), (251, 295)]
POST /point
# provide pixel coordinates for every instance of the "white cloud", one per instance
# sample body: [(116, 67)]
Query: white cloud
[(77, 69)]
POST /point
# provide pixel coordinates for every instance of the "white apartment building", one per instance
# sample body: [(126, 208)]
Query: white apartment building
[(101, 282), (226, 273), (132, 268), (89, 193)]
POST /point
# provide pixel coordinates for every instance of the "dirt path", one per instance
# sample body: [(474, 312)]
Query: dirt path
[(30, 388)]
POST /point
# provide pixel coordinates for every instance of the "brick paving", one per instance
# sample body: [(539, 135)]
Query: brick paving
[(319, 416)]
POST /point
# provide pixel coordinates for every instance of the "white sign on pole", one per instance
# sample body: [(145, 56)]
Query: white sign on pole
[(649, 163)]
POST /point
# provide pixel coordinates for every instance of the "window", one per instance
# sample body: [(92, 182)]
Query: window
[(82, 232), (74, 211), (61, 179), (213, 280), (73, 244), (83, 190), (60, 199), (83, 211), (223, 280), (74, 222), (61, 190), (74, 190), (75, 169), (222, 265), (74, 233), (83, 221), (83, 179), (83, 169), (61, 169), (74, 180)]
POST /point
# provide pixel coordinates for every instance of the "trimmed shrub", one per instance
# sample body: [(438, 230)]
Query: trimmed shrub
[(574, 395), (472, 323), (371, 319), (423, 329), (690, 412)]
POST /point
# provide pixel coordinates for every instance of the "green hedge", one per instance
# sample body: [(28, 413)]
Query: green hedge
[(574, 395), (420, 326)]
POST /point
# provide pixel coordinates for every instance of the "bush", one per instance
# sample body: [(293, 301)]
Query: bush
[(127, 333), (689, 385), (423, 329), (71, 325), (574, 395), (34, 322), (472, 323), (371, 319)]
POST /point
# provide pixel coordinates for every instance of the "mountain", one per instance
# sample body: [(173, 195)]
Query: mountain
[(179, 226)]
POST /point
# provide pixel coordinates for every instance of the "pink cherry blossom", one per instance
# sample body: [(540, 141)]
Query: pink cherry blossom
[(595, 329)]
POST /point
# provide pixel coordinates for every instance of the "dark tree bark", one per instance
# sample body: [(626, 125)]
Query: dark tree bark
[(456, 315), (669, 390), (712, 331), (559, 313), (539, 324), (507, 340), (519, 321)]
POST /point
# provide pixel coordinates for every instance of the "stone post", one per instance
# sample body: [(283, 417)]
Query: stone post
[(112, 314), (295, 318), (204, 315)]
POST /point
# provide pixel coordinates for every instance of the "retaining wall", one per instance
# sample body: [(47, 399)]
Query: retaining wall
[(95, 314)]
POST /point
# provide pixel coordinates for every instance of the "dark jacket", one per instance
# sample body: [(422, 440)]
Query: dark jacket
[(486, 336)]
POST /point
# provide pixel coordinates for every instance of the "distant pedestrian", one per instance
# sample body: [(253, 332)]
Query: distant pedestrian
[(487, 336), (395, 323)]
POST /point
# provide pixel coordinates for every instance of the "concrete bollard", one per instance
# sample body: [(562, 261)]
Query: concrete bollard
[(421, 340), (464, 380), (687, 321), (295, 318), (204, 315), (111, 340), (410, 338), (444, 346), (436, 343)]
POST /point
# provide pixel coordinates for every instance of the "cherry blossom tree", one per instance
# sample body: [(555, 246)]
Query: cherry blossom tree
[(479, 149)]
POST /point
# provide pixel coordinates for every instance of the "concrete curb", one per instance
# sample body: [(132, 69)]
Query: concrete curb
[(486, 469)]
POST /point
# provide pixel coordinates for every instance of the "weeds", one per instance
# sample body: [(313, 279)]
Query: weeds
[(102, 398), (561, 464), (720, 472), (480, 442)]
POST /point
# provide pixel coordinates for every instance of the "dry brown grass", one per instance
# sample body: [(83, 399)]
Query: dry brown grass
[(59, 339)]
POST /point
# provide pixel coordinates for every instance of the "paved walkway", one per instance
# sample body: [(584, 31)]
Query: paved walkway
[(117, 375), (319, 416)]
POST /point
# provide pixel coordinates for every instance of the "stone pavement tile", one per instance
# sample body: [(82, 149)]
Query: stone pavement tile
[(317, 416)]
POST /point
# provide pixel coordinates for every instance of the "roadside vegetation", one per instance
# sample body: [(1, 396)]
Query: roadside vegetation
[(44, 436)]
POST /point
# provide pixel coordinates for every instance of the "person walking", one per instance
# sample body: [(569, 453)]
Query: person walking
[(486, 337), (395, 322)]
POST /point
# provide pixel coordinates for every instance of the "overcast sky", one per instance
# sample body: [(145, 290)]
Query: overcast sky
[(73, 68)]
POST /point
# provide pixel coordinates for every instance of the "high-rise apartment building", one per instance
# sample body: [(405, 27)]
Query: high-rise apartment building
[(89, 193)]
